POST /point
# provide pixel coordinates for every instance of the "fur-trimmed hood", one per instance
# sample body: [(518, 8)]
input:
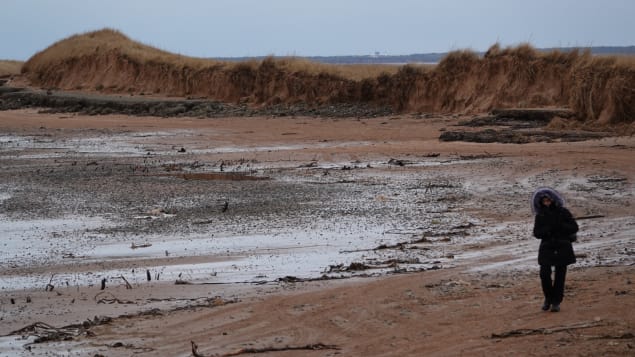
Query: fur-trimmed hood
[(556, 198)]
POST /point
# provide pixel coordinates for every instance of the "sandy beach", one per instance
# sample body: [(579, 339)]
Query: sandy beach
[(301, 236)]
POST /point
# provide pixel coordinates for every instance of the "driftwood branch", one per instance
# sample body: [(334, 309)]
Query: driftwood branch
[(128, 286), (544, 331), (195, 350), (589, 217), (143, 245), (50, 286), (311, 347), (45, 332)]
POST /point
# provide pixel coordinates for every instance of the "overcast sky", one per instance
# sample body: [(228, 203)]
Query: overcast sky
[(234, 28)]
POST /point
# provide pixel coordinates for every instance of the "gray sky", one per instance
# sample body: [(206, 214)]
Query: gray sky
[(234, 28)]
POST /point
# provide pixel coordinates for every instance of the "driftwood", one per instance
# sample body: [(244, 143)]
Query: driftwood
[(128, 286), (45, 332), (110, 299), (311, 347), (545, 331), (49, 286), (589, 217), (209, 221), (285, 279), (144, 245), (356, 266), (293, 279)]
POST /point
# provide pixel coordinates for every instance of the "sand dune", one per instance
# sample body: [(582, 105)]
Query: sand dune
[(598, 89)]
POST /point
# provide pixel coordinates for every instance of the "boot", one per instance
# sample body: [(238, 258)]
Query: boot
[(545, 305)]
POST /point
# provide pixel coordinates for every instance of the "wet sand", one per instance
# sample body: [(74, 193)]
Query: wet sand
[(368, 236)]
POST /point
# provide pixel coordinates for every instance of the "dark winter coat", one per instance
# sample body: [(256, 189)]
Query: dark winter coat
[(556, 228)]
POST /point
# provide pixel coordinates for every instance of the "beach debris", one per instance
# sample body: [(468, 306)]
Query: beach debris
[(308, 165), (144, 245), (310, 347), (342, 268), (510, 136), (46, 333), (546, 331), (290, 279), (533, 114), (589, 217), (209, 221), (128, 286), (49, 286), (398, 162), (110, 299)]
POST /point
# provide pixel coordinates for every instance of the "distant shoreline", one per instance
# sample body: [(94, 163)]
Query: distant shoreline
[(425, 58)]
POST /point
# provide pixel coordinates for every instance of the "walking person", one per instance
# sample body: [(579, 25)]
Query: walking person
[(556, 228)]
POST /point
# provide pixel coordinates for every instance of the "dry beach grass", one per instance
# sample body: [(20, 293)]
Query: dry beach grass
[(598, 89), (9, 68)]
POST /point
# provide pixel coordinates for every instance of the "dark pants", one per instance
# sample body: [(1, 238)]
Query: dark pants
[(553, 290)]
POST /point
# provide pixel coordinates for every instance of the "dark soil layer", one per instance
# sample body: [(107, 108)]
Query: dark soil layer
[(64, 102), (518, 126)]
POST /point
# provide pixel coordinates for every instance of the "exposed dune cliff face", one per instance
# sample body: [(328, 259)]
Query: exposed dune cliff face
[(597, 89)]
